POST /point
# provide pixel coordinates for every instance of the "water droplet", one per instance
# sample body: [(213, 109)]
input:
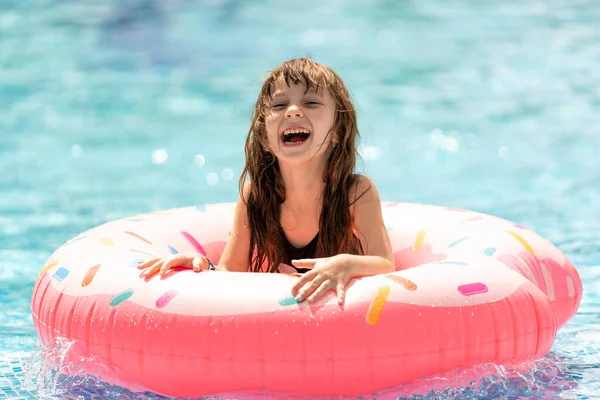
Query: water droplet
[(160, 156), (227, 174), (199, 160), (212, 178), (503, 152)]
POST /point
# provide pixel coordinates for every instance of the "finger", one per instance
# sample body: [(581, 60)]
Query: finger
[(153, 269), (197, 264), (305, 263), (309, 288), (307, 277), (341, 293), (320, 292), (171, 263), (145, 263)]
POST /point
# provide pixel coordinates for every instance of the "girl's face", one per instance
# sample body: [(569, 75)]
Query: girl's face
[(299, 122)]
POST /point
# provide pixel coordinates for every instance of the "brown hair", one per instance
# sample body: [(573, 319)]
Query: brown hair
[(267, 191)]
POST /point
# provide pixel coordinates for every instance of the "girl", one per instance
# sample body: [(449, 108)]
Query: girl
[(301, 207)]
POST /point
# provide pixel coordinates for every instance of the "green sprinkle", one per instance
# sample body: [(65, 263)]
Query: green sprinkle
[(121, 297)]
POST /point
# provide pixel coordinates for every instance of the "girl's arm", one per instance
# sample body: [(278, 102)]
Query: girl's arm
[(334, 273), (235, 254), (368, 222)]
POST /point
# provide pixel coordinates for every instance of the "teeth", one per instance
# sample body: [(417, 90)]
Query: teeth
[(295, 130)]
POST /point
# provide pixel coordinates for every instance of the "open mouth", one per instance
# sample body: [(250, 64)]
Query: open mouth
[(294, 136)]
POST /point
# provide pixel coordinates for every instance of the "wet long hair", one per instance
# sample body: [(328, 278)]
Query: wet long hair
[(267, 191)]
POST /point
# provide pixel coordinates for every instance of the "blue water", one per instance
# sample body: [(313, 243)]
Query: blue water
[(113, 108)]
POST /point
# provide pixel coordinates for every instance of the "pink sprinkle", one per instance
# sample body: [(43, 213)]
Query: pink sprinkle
[(194, 242), (166, 298), (472, 288), (472, 219)]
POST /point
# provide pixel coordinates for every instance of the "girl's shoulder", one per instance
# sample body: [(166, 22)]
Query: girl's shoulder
[(363, 192), (361, 186)]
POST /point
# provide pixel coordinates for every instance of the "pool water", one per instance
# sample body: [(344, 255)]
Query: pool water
[(114, 108)]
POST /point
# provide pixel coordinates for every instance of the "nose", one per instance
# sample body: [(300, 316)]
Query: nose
[(293, 112)]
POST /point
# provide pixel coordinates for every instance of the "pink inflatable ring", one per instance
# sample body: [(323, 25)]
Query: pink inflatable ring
[(469, 288)]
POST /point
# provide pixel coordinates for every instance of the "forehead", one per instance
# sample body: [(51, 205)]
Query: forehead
[(281, 88)]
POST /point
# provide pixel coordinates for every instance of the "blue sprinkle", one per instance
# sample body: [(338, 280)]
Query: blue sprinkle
[(462, 239), (173, 250), (451, 262), (141, 252), (489, 251), (61, 274), (135, 262), (388, 228), (201, 208), (288, 301), (121, 297)]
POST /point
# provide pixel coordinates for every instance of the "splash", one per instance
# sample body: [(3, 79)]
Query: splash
[(539, 379), (47, 373)]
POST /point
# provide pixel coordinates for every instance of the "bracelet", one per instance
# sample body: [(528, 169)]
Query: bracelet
[(211, 266)]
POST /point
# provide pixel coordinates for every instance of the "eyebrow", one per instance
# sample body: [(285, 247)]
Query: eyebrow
[(279, 93)]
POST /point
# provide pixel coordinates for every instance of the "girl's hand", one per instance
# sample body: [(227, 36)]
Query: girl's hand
[(161, 266), (331, 273)]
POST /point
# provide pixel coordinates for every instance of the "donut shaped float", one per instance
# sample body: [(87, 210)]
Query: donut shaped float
[(469, 288)]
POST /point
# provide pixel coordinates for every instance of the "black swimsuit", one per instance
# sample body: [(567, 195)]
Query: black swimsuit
[(295, 253)]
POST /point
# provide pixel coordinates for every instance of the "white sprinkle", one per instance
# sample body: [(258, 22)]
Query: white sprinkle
[(503, 152)]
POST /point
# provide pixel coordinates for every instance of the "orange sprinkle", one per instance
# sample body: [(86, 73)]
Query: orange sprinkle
[(405, 283), (108, 242), (48, 267), (135, 235), (89, 277), (420, 239), (376, 306), (521, 240)]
